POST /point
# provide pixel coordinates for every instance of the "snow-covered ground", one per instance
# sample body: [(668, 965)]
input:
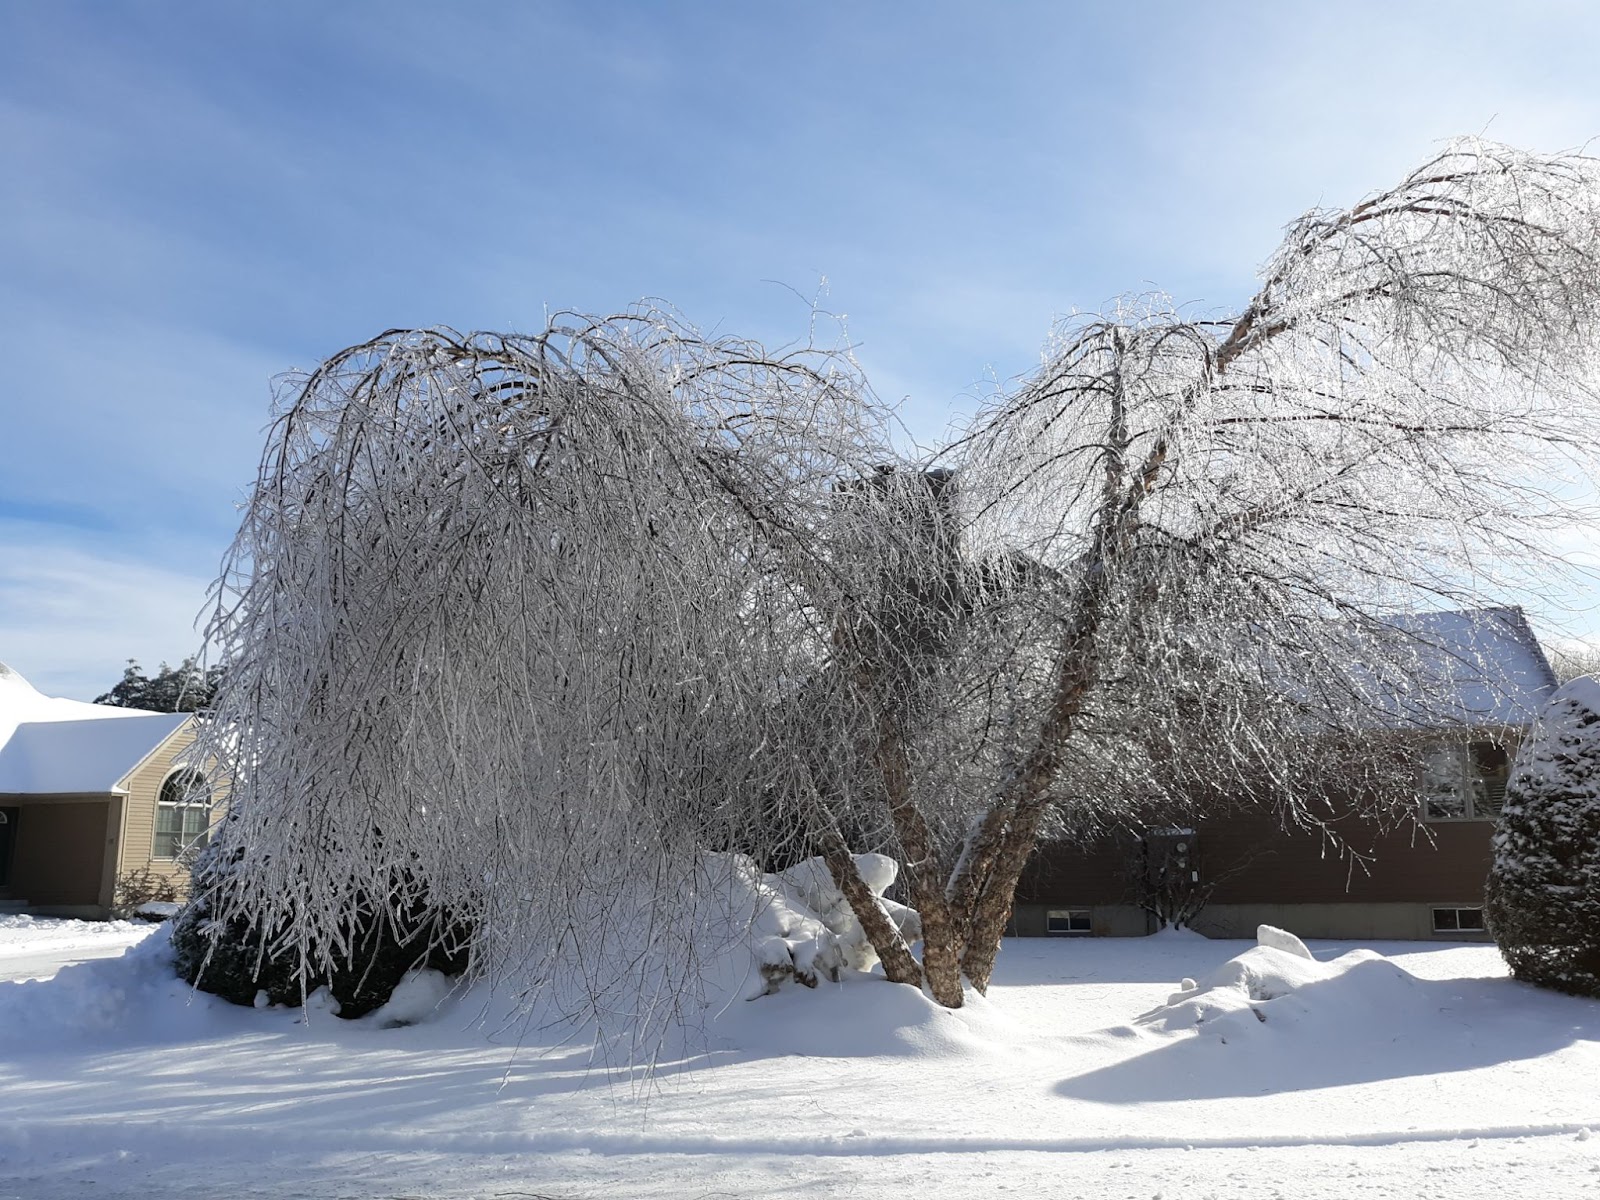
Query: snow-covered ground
[(1422, 1074), (37, 947)]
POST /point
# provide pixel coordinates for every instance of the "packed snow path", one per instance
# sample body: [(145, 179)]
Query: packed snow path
[(1442, 1079)]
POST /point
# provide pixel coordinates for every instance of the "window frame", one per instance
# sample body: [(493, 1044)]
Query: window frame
[(1483, 787), (183, 804), (1456, 910), (1070, 915)]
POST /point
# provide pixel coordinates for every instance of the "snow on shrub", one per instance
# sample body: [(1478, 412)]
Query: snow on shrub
[(1543, 900), (811, 884)]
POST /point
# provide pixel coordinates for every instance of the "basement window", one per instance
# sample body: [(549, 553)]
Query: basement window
[(1458, 920), (1068, 920)]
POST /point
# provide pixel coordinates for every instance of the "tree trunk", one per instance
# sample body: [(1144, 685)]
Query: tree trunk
[(941, 959), (899, 964)]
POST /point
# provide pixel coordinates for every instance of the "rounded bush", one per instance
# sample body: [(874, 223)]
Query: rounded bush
[(233, 959), (1543, 901)]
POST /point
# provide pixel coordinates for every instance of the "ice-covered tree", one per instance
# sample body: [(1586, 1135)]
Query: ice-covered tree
[(1544, 887), (1229, 512), (1572, 658), (527, 625)]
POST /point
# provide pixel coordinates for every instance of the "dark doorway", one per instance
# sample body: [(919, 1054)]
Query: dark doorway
[(8, 839)]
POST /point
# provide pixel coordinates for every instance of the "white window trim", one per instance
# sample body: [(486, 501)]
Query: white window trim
[(156, 834), (1435, 909)]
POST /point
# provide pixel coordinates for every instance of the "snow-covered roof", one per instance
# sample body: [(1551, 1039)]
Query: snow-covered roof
[(1481, 668), (54, 746), (20, 701)]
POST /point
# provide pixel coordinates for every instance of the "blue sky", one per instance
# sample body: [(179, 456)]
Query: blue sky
[(197, 196)]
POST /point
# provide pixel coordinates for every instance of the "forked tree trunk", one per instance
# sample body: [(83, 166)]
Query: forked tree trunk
[(993, 894)]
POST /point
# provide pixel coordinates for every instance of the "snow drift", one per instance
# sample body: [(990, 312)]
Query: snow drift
[(784, 968), (1270, 985), (1274, 1019)]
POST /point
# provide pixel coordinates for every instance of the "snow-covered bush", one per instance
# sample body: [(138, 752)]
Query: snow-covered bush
[(1543, 899), (138, 888), (376, 946), (1277, 990), (802, 926)]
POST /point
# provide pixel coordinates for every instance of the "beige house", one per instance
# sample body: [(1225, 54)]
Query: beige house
[(92, 797)]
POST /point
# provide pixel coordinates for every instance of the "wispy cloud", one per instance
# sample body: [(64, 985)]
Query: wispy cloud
[(69, 620)]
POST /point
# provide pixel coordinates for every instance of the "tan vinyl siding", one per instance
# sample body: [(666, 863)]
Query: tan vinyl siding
[(139, 827)]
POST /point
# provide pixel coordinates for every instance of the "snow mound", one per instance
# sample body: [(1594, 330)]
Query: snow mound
[(1268, 988), (418, 996), (784, 971), (25, 926), (1281, 939), (136, 996), (861, 1016), (802, 930), (800, 927)]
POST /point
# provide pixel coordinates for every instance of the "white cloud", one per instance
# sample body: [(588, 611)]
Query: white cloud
[(69, 620)]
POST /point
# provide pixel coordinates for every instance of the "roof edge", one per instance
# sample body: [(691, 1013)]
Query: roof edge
[(122, 784)]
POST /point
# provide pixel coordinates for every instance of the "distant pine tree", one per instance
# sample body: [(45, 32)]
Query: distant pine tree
[(184, 688), (1543, 900)]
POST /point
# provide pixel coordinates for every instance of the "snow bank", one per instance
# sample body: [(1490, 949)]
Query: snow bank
[(1279, 983), (136, 997), (419, 996), (1281, 939), (794, 926), (788, 970), (802, 931), (24, 931)]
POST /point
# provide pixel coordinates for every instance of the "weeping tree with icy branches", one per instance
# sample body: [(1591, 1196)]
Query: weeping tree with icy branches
[(538, 630), (1383, 428), (523, 626)]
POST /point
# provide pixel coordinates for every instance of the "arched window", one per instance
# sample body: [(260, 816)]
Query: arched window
[(183, 814)]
